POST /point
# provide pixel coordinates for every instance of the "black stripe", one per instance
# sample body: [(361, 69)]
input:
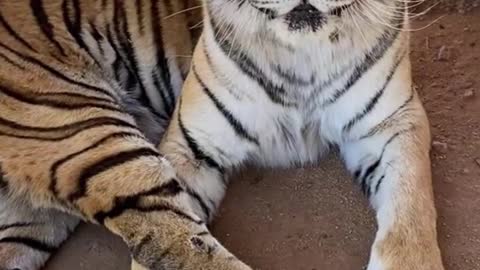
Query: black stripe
[(161, 207), (234, 123), (97, 37), (57, 164), (206, 210), (371, 58), (41, 16), (67, 127), (357, 173), (11, 62), (194, 147), (162, 63), (108, 163), (54, 103), (241, 3), (29, 242), (270, 13), (366, 187), (291, 77), (117, 64), (165, 207), (203, 233), (379, 182), (17, 225), (140, 16), (3, 180), (68, 130), (215, 71), (275, 92), (374, 100), (57, 74), (74, 27), (168, 107), (15, 34), (121, 27), (394, 136), (123, 203), (374, 130), (77, 96), (368, 172)]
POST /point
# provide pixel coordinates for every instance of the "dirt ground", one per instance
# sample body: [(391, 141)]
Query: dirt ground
[(315, 218)]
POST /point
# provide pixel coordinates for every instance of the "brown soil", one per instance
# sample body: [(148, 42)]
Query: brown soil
[(308, 219)]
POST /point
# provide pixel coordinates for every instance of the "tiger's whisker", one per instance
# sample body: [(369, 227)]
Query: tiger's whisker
[(182, 11)]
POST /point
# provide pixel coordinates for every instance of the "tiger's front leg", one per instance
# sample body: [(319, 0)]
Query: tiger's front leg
[(391, 164)]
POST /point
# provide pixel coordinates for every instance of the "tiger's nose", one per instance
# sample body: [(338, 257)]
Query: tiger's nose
[(305, 9)]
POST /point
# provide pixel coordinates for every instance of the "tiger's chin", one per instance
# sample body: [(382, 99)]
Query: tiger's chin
[(303, 32)]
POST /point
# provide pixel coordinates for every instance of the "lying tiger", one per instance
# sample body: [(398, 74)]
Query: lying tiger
[(88, 87)]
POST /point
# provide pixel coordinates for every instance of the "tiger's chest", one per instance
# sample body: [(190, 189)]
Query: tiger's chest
[(318, 113)]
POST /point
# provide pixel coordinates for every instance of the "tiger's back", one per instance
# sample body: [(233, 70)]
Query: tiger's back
[(140, 48)]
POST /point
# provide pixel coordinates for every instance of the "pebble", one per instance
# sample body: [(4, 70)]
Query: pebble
[(469, 93), (442, 54), (440, 147)]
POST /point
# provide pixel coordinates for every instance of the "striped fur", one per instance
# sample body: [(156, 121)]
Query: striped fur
[(87, 88)]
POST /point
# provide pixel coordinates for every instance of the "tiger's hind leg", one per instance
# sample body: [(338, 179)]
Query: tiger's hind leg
[(28, 236)]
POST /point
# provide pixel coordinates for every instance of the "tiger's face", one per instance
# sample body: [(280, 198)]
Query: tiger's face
[(300, 21)]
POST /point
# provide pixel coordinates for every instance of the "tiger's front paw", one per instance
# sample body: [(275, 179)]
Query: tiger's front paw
[(396, 253), (172, 240), (197, 252)]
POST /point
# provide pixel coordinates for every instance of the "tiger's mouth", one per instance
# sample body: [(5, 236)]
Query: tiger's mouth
[(306, 17)]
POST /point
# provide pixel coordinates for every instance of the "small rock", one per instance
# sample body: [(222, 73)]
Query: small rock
[(440, 147), (477, 160), (469, 93), (466, 171), (448, 180), (443, 54)]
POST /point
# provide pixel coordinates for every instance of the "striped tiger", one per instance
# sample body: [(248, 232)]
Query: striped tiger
[(88, 87)]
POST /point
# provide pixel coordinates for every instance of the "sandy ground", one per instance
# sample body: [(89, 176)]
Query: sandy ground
[(315, 218)]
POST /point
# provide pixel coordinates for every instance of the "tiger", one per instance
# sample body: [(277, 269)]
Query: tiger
[(105, 119)]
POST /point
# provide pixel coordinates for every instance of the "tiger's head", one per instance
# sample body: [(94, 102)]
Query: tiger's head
[(297, 22)]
